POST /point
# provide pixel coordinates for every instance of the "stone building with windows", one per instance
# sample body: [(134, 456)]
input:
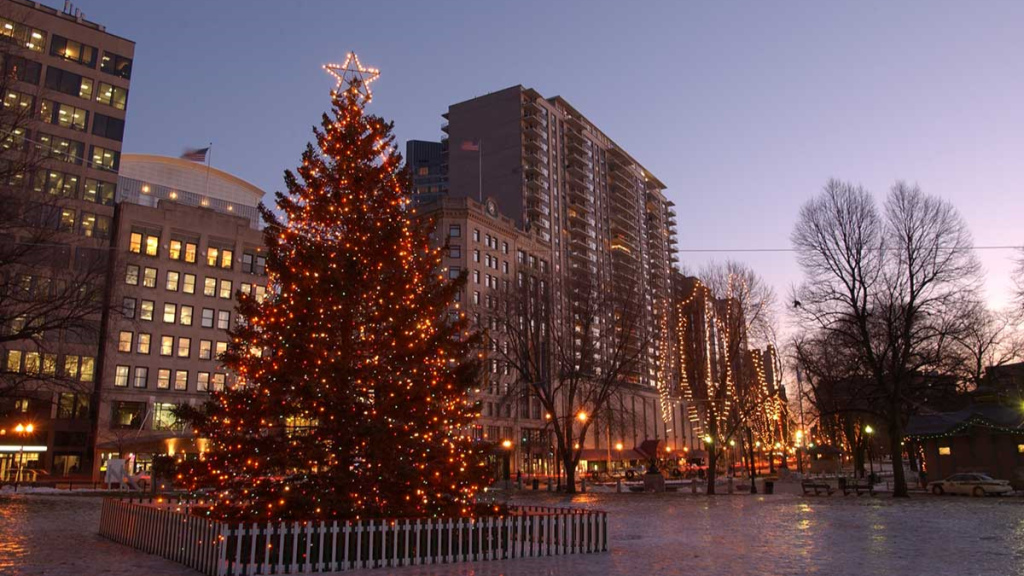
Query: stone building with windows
[(70, 78), (497, 254), (186, 240)]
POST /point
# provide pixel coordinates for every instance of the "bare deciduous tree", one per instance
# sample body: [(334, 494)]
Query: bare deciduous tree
[(886, 284), (577, 364)]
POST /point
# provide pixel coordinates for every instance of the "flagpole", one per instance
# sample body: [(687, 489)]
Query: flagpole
[(209, 161)]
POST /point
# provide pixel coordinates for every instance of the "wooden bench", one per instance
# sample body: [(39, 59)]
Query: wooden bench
[(818, 487), (859, 488)]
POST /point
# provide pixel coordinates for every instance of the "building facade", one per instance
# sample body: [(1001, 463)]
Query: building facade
[(187, 241), (497, 255), (71, 78), (599, 218), (425, 162)]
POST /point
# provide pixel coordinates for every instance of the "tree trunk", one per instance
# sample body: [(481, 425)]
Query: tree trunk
[(899, 489), (858, 459), (712, 468), (753, 463), (570, 475)]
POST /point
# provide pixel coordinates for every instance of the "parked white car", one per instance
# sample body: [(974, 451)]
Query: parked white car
[(970, 484)]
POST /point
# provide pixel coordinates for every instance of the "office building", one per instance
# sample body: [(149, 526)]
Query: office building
[(187, 240), (70, 79)]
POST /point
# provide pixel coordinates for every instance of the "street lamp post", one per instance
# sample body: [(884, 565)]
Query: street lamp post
[(871, 463), (507, 463), (22, 430)]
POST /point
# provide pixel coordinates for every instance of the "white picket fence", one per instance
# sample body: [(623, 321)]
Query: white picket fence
[(217, 548)]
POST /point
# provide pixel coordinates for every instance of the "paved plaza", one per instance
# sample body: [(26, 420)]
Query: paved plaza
[(649, 535)]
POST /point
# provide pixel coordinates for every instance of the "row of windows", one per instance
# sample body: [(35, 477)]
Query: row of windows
[(185, 282), (81, 368), (141, 343), (175, 314), (148, 243), (22, 35), (79, 86), (69, 151), (84, 223), (64, 184), (134, 415), (166, 378), (85, 55)]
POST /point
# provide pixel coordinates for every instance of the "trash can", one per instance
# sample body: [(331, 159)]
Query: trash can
[(769, 487), (536, 483)]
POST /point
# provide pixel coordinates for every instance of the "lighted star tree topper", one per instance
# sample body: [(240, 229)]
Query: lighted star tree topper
[(354, 373)]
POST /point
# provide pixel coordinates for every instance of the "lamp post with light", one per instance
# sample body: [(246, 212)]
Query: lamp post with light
[(871, 464), (21, 430), (506, 463)]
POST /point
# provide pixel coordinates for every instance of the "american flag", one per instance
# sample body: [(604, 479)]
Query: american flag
[(470, 146), (196, 154)]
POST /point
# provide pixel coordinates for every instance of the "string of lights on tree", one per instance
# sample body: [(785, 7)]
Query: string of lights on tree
[(353, 379)]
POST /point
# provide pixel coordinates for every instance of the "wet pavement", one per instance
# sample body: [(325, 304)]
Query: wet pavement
[(649, 535)]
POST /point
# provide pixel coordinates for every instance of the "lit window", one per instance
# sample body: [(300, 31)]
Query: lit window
[(171, 284), (225, 289), (152, 244), (146, 310), (149, 278), (71, 367), (226, 257), (111, 95), (205, 349), (181, 380), (166, 345), (175, 250), (210, 287), (124, 341), (121, 376), (105, 159), (190, 252), (223, 319), (944, 451), (212, 254), (88, 368), (135, 243), (131, 275), (185, 318), (142, 346), (163, 379), (163, 416), (189, 285), (202, 381), (218, 382), (170, 313), (184, 347)]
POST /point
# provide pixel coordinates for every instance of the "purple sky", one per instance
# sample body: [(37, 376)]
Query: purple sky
[(743, 109)]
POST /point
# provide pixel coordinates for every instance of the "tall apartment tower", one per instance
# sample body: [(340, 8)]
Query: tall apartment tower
[(603, 218), (186, 240), (70, 78)]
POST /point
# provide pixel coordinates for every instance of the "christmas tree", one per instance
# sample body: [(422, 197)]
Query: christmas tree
[(353, 374)]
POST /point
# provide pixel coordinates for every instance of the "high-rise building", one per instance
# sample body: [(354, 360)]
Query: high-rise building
[(69, 78), (425, 162), (598, 216), (186, 240)]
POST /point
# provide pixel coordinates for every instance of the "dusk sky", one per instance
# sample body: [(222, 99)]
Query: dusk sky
[(743, 109)]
